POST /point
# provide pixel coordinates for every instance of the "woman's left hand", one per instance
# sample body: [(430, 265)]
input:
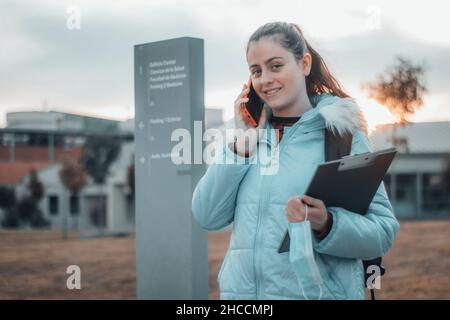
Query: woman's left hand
[(317, 211)]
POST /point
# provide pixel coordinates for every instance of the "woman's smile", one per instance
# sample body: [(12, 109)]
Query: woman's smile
[(271, 92)]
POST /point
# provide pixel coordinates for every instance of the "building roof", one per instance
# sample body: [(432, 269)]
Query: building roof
[(418, 137), (56, 121)]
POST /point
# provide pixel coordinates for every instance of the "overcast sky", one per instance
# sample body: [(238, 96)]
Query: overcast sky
[(90, 70)]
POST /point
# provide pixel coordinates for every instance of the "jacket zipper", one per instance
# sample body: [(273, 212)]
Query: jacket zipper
[(256, 259), (262, 205), (255, 252)]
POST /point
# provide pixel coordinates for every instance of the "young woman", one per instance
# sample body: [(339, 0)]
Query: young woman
[(301, 99)]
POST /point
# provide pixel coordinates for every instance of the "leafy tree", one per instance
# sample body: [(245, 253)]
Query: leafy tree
[(7, 198), (26, 210), (37, 220), (11, 219), (7, 204)]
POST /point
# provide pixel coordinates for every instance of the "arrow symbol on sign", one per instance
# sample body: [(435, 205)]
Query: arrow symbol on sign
[(142, 160), (141, 125)]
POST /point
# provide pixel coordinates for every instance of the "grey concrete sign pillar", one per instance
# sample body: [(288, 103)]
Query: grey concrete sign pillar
[(171, 249)]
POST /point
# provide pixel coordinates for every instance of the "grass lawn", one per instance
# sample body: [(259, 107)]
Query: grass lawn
[(33, 264)]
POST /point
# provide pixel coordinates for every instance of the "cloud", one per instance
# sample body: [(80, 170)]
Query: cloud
[(360, 58), (94, 65), (91, 69)]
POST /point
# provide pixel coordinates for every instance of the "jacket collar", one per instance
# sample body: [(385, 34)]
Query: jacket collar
[(340, 115)]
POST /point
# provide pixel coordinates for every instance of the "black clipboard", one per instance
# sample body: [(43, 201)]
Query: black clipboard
[(350, 182)]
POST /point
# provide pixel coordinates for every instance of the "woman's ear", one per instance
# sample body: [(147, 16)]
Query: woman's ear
[(306, 63)]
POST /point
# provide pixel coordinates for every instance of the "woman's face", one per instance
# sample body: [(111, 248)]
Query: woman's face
[(277, 77)]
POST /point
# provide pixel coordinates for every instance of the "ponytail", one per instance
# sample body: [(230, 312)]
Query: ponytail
[(320, 78)]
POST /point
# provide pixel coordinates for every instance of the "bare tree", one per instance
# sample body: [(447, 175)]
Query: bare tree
[(73, 177), (99, 152), (401, 89), (35, 187)]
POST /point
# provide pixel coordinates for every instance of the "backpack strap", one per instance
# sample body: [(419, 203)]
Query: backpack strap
[(336, 147)]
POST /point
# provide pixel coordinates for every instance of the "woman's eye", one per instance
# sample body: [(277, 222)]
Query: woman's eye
[(255, 72), (276, 66)]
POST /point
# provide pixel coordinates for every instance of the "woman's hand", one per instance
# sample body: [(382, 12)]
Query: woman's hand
[(248, 136), (317, 212)]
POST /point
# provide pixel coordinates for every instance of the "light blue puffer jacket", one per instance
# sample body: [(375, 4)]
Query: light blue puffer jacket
[(237, 192)]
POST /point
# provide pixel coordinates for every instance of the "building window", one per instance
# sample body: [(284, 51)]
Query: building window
[(53, 205), (435, 194), (96, 209), (405, 204), (406, 188), (74, 205)]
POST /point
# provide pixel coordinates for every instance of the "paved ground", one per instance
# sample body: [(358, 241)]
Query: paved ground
[(33, 264)]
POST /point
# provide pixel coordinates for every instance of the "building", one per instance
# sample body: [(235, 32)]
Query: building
[(109, 206), (40, 140), (418, 181)]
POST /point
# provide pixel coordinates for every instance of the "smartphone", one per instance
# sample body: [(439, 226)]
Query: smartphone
[(253, 107)]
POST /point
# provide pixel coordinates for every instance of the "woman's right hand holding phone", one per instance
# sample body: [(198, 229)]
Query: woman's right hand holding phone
[(247, 136)]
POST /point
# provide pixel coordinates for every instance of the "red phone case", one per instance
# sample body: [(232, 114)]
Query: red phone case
[(255, 104)]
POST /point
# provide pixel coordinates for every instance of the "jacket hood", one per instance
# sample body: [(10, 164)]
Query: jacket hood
[(340, 115)]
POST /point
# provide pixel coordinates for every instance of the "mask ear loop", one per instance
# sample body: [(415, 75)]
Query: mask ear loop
[(320, 286), (306, 212), (306, 218)]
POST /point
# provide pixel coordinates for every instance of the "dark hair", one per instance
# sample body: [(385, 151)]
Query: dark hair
[(290, 36)]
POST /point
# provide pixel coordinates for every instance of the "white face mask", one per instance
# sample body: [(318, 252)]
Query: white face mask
[(301, 256)]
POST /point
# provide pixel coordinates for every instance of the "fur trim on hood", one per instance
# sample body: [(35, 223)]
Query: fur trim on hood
[(344, 115)]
